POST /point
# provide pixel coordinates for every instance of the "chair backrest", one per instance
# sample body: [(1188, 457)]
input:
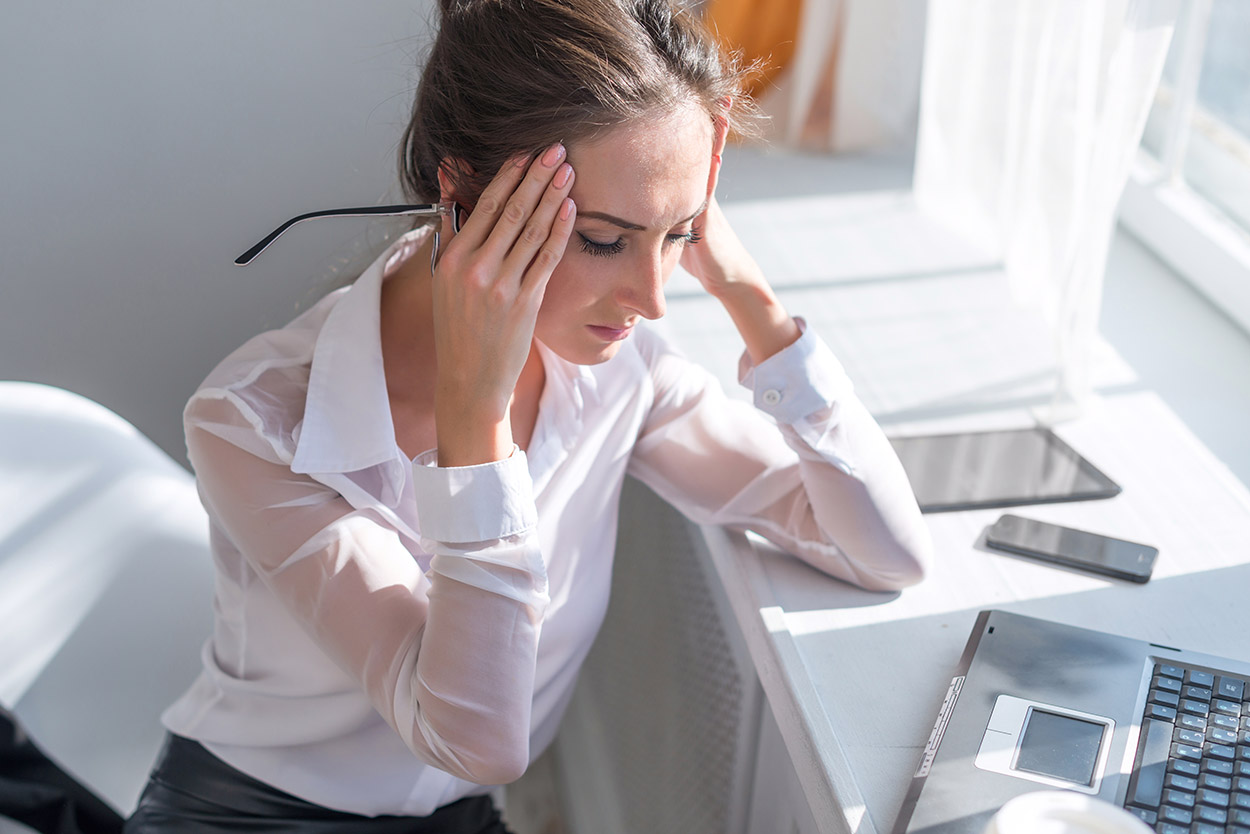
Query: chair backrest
[(105, 584)]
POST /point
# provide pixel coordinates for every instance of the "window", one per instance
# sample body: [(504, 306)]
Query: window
[(1189, 196)]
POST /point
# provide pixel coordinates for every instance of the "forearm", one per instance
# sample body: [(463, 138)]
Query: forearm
[(765, 326)]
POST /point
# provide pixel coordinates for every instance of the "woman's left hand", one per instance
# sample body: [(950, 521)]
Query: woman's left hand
[(730, 275), (719, 260)]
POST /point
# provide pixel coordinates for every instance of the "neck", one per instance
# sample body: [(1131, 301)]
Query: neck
[(407, 331)]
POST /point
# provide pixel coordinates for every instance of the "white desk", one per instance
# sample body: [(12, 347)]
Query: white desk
[(928, 332)]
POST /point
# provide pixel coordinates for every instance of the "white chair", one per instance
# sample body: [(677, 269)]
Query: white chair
[(105, 585)]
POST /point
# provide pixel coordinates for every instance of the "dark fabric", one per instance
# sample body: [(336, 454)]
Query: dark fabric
[(191, 790), (37, 793)]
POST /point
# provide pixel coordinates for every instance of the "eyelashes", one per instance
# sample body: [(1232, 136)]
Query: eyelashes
[(607, 250), (602, 250)]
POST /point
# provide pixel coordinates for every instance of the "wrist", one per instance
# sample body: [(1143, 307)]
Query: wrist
[(471, 435), (761, 319)]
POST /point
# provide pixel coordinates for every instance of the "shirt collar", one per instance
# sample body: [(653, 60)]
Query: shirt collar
[(347, 415)]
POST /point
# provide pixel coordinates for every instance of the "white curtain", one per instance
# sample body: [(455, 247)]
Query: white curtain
[(854, 81), (1031, 113)]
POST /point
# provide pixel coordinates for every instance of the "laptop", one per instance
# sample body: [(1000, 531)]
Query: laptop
[(1036, 705)]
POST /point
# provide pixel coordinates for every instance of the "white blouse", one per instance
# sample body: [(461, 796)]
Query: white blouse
[(391, 636)]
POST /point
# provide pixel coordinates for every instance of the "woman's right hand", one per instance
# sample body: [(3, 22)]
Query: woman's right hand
[(488, 285)]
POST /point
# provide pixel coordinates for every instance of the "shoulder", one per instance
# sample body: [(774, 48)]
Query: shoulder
[(256, 395)]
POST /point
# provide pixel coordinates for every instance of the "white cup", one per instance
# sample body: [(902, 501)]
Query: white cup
[(1063, 812)]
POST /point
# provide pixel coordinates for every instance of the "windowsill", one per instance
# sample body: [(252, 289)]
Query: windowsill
[(1177, 342)]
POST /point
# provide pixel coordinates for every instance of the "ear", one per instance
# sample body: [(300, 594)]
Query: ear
[(720, 126), (720, 136), (451, 172)]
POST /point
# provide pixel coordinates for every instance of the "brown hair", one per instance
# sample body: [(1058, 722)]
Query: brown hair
[(511, 77)]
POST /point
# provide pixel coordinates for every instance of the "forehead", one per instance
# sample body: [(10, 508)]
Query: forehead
[(652, 171)]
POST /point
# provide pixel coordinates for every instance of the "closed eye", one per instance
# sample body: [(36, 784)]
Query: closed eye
[(690, 238), (601, 250)]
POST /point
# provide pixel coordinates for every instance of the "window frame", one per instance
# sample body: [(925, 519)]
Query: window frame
[(1181, 226)]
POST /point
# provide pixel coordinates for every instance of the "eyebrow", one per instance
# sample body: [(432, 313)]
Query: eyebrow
[(626, 224)]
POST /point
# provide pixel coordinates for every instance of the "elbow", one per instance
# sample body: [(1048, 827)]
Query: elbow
[(497, 767), (486, 759), (907, 565)]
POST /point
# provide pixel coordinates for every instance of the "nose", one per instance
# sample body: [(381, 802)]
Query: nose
[(643, 290)]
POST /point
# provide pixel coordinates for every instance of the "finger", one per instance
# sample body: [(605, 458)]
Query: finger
[(539, 225), (477, 227), (521, 204), (549, 254)]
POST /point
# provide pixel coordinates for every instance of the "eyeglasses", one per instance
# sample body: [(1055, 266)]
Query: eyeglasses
[(416, 210)]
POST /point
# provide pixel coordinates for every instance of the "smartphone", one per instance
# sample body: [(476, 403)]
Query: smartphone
[(1074, 548)]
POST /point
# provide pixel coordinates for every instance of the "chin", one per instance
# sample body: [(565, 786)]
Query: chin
[(583, 354)]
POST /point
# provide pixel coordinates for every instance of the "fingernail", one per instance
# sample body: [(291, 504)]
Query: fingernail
[(562, 176), (566, 208), (553, 155)]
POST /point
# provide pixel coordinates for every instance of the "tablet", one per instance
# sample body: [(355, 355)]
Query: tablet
[(1004, 468)]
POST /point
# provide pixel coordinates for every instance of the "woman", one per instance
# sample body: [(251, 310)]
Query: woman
[(413, 486)]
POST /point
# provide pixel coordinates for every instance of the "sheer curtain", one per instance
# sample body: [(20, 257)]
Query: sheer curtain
[(842, 75), (1031, 112)]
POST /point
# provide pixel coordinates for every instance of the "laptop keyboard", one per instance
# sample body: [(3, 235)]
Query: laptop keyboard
[(1192, 773)]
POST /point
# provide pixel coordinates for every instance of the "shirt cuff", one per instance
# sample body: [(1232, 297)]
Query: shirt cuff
[(476, 503), (797, 380)]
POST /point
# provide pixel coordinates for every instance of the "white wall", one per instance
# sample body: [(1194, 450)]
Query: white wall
[(145, 143)]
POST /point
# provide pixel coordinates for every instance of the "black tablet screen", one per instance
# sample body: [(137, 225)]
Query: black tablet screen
[(997, 469)]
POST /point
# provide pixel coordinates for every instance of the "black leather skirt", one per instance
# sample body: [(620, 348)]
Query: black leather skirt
[(191, 791)]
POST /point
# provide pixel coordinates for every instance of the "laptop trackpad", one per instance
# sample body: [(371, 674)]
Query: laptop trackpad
[(1053, 745)]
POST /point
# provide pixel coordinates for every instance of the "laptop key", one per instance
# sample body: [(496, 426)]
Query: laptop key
[(1168, 828), (1169, 671), (1181, 799), (1226, 707), (1181, 782), (1228, 722), (1242, 784), (1239, 816), (1219, 766), (1198, 693), (1188, 752), (1179, 816), (1206, 828), (1182, 766), (1199, 678), (1215, 782), (1211, 814), (1242, 801), (1192, 722), (1193, 707), (1220, 751), (1242, 768), (1230, 687), (1168, 699), (1156, 744), (1216, 799), (1146, 815), (1188, 737), (1161, 712), (1221, 735), (1169, 684), (1243, 751)]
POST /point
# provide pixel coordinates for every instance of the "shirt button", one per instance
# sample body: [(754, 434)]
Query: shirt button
[(772, 396)]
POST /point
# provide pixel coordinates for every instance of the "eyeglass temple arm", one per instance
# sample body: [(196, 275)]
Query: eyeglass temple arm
[(421, 209)]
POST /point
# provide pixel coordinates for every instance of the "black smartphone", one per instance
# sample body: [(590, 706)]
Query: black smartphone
[(1075, 548)]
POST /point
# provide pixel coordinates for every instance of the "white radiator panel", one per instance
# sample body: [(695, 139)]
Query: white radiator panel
[(661, 733)]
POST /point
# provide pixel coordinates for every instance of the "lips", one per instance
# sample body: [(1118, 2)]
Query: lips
[(610, 334)]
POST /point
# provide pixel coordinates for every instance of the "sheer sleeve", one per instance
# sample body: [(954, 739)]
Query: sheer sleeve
[(447, 658), (807, 467)]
